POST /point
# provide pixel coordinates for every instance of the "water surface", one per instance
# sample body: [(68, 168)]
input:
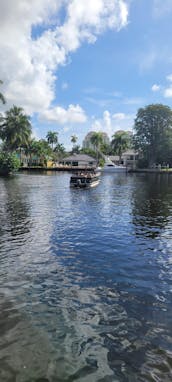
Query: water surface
[(86, 279)]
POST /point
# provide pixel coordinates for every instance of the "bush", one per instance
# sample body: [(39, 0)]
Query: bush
[(8, 163), (90, 152), (101, 162)]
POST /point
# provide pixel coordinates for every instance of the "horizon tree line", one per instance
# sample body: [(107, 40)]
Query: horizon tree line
[(152, 136)]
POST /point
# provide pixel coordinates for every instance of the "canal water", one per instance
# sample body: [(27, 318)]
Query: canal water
[(86, 279)]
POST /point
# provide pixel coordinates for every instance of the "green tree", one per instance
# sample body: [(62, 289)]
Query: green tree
[(2, 99), (39, 150), (153, 133), (74, 139), (59, 152), (97, 140), (106, 149), (15, 128), (88, 151), (52, 138), (8, 163), (120, 143), (164, 151), (76, 149), (29, 150), (43, 151)]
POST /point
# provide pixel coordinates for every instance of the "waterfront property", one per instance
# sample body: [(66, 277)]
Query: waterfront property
[(79, 161), (129, 159), (33, 160), (110, 166)]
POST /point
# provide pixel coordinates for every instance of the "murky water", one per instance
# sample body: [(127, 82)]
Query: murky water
[(86, 279)]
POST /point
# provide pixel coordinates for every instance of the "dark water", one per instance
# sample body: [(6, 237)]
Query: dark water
[(86, 279)]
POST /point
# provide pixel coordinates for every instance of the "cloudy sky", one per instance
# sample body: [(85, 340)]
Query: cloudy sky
[(81, 65)]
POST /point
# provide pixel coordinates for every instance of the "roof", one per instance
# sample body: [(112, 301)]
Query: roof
[(79, 158), (114, 157), (130, 152), (126, 153)]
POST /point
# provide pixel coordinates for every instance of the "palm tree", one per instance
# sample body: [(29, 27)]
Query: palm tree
[(74, 139), (120, 143), (2, 99), (29, 150), (60, 148), (39, 149), (52, 138), (97, 140), (59, 152), (15, 128)]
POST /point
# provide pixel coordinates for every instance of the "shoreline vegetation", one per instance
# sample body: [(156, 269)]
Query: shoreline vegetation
[(151, 141), (8, 163)]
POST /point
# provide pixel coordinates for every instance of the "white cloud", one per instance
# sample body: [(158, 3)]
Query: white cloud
[(155, 88), (111, 123), (87, 19), (74, 113), (34, 43), (168, 92)]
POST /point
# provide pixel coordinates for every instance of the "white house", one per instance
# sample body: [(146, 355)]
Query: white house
[(129, 158)]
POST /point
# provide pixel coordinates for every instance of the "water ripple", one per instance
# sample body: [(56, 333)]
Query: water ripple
[(85, 279)]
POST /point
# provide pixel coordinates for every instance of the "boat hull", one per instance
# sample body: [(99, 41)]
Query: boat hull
[(114, 169)]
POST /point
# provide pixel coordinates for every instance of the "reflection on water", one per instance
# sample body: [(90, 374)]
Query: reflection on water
[(152, 204), (13, 208), (85, 279)]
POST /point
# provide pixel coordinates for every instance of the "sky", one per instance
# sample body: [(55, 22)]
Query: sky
[(82, 65)]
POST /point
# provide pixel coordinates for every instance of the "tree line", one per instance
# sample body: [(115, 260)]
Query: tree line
[(151, 138), (153, 135), (16, 137)]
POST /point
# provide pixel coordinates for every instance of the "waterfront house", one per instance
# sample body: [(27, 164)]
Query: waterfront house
[(129, 158), (80, 161), (33, 160)]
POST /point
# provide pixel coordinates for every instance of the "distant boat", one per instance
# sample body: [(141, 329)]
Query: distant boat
[(85, 180), (113, 168), (109, 166)]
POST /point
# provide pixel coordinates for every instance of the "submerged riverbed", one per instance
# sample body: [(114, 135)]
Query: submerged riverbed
[(86, 279)]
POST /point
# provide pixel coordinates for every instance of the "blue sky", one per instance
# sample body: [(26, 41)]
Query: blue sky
[(77, 65)]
